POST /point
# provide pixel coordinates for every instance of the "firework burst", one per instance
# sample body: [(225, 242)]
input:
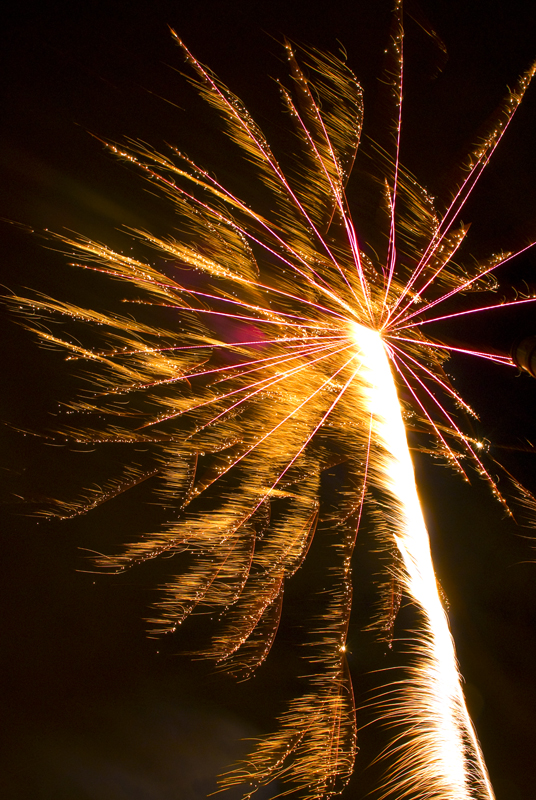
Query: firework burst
[(287, 343)]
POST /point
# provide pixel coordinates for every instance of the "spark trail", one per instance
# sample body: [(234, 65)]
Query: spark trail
[(286, 345)]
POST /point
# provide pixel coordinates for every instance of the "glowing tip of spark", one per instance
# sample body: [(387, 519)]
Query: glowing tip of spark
[(343, 648)]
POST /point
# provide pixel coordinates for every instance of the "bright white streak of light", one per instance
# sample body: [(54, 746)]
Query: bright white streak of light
[(445, 752)]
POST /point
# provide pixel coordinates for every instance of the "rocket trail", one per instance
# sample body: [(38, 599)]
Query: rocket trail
[(444, 750)]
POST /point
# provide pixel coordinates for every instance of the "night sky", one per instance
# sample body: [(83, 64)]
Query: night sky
[(94, 709)]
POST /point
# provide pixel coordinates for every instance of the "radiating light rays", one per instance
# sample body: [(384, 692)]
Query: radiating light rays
[(336, 184), (395, 51), (280, 343), (505, 360), (480, 159), (262, 385), (469, 311)]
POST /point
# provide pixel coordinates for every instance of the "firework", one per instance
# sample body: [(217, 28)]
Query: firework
[(280, 341)]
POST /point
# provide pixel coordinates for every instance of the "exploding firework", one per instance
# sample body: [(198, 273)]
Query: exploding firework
[(268, 348)]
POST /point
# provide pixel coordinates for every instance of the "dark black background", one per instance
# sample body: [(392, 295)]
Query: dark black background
[(95, 710)]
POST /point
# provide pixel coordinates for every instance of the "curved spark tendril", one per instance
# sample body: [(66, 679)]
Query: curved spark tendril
[(289, 337)]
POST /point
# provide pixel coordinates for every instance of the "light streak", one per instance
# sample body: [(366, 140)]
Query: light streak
[(434, 706), (250, 416)]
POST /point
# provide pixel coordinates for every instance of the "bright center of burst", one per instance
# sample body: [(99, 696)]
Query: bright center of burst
[(366, 339), (376, 370)]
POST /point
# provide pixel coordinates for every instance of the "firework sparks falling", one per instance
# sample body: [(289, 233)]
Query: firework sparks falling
[(286, 332)]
